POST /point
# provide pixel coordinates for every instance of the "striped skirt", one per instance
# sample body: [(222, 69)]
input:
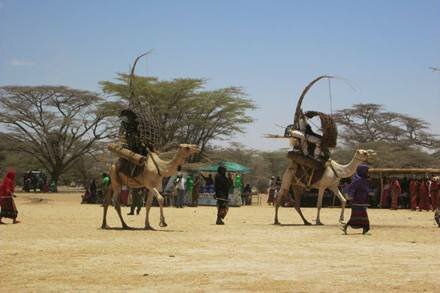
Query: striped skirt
[(8, 209), (359, 217)]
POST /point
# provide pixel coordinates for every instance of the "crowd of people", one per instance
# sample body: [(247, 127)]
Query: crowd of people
[(422, 194), (187, 189), (178, 191)]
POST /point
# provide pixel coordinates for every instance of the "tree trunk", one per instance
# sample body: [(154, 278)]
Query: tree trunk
[(53, 184)]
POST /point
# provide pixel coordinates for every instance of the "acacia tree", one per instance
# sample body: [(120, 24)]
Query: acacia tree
[(56, 125), (364, 123), (185, 111)]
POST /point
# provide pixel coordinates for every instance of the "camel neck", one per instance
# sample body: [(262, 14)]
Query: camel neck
[(345, 171), (169, 168)]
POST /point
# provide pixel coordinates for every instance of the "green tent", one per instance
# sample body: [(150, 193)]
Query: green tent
[(230, 167)]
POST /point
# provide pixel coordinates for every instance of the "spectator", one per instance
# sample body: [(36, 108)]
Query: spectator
[(181, 190), (271, 190), (395, 192), (7, 204)]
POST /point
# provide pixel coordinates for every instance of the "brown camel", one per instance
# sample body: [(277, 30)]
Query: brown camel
[(151, 178), (329, 180)]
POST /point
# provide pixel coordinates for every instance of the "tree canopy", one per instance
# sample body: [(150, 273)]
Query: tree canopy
[(364, 123), (56, 125), (185, 110)]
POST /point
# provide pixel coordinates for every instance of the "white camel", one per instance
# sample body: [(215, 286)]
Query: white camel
[(333, 173)]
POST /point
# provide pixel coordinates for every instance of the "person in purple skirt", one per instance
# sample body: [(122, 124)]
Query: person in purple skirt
[(358, 193)]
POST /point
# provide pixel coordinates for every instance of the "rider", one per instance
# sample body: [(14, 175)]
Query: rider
[(309, 141)]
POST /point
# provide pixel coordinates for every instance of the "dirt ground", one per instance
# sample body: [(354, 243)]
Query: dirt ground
[(60, 247)]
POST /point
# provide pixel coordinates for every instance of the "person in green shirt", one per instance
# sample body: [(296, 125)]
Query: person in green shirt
[(105, 181), (238, 183), (189, 185)]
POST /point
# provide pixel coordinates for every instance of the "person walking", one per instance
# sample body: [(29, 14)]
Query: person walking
[(358, 192), (221, 186), (7, 204)]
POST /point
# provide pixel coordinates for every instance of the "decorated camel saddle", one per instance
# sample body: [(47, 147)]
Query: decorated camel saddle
[(310, 152), (138, 133)]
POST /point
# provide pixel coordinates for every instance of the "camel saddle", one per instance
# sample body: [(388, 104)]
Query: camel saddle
[(309, 170), (130, 163)]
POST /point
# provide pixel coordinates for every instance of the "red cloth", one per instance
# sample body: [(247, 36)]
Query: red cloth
[(423, 196), (385, 196), (7, 187), (413, 194), (395, 192), (435, 188), (123, 197)]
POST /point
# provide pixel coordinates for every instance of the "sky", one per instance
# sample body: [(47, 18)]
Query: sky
[(272, 49)]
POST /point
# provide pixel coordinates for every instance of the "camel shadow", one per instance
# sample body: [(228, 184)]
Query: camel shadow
[(137, 229), (302, 225)]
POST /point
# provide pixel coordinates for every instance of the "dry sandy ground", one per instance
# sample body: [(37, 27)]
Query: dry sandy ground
[(59, 247)]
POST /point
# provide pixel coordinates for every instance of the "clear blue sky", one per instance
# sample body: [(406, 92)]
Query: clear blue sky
[(270, 48)]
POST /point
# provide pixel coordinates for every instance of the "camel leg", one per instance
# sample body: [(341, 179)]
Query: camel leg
[(107, 197), (298, 191), (319, 206), (160, 201), (341, 197), (288, 175), (148, 204), (118, 210)]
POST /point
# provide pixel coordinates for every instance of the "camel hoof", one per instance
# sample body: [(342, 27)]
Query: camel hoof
[(307, 223), (319, 223), (163, 224), (276, 223), (149, 228), (126, 227), (105, 226)]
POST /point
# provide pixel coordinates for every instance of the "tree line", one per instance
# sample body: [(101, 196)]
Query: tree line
[(58, 128), (64, 131)]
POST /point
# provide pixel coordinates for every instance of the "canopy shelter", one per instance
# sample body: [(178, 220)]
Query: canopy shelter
[(230, 167), (401, 171)]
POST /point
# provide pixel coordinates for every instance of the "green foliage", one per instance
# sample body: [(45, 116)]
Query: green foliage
[(364, 123), (186, 112), (54, 125)]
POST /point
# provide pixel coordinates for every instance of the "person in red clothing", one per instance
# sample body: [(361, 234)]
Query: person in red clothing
[(8, 208), (395, 192), (435, 190), (413, 190), (385, 194), (423, 195)]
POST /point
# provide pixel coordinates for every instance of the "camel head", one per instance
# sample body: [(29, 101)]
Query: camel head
[(365, 155), (186, 150)]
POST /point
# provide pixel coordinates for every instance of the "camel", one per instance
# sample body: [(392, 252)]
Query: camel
[(151, 178), (333, 173)]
